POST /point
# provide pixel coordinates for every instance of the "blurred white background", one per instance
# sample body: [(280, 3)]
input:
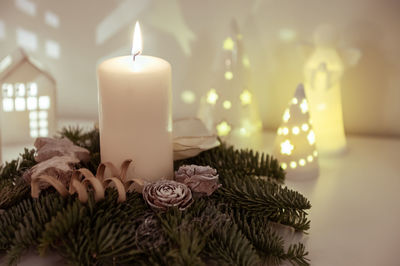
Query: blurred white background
[(72, 37)]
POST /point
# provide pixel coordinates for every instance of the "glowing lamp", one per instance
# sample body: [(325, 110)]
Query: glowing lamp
[(295, 142), (27, 90), (230, 108), (323, 72)]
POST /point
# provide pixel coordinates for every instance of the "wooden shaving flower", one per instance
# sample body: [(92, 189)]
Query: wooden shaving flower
[(164, 194), (83, 180), (200, 179)]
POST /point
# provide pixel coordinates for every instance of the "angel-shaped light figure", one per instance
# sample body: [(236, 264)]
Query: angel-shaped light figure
[(323, 72)]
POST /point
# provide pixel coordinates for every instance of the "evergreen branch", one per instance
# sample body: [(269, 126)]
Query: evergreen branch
[(268, 243), (103, 232), (75, 134), (244, 162), (112, 242), (189, 231), (9, 222), (228, 246), (109, 208), (13, 187), (32, 224), (12, 192), (74, 246), (264, 198), (296, 254), (65, 220), (15, 168)]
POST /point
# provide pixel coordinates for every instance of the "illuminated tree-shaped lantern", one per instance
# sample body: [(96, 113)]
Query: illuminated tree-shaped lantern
[(323, 72), (229, 107), (28, 99), (295, 143)]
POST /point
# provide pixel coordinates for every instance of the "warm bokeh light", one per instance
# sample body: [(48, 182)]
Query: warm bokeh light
[(228, 75), (188, 96), (286, 115), (223, 129), (286, 147), (245, 97), (212, 96), (227, 104), (228, 44)]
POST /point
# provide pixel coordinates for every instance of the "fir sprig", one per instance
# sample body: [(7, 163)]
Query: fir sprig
[(228, 246), (267, 241), (13, 188), (244, 162), (264, 198), (32, 224), (61, 224), (9, 222)]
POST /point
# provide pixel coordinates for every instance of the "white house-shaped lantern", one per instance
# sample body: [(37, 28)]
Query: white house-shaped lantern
[(28, 99)]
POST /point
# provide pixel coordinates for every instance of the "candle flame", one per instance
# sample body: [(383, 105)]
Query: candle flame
[(137, 40)]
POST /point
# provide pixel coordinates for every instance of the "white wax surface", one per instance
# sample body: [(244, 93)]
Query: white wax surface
[(135, 115)]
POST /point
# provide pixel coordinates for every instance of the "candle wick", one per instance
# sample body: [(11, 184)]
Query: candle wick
[(135, 54)]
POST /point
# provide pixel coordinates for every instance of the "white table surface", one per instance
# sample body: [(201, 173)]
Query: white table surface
[(355, 214)]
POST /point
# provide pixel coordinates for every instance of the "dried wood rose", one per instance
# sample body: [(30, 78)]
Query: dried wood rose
[(164, 194), (60, 167), (202, 180), (47, 148), (56, 158)]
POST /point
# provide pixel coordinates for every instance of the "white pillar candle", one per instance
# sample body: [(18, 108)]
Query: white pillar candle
[(135, 113)]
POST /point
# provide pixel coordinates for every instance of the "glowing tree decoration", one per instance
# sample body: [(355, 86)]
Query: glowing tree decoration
[(323, 72), (295, 144), (229, 106)]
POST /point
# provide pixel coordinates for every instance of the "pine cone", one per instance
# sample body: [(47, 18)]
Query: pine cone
[(164, 194), (200, 179)]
